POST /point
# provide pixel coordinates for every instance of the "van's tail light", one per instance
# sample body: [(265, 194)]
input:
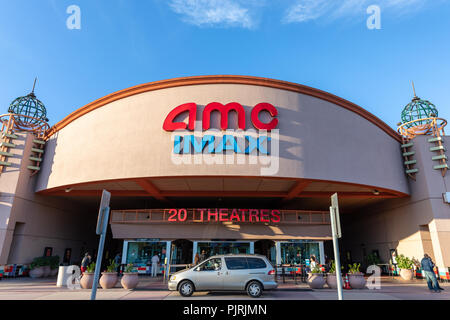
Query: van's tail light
[(271, 272)]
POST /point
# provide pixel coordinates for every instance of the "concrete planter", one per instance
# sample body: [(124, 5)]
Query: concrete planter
[(130, 280), (316, 280), (53, 272), (46, 271), (332, 280), (357, 280), (87, 280), (108, 280), (407, 274), (36, 272)]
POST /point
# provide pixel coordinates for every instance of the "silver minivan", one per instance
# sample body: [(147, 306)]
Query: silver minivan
[(234, 272)]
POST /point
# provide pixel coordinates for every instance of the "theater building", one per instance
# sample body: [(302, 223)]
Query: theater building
[(223, 164)]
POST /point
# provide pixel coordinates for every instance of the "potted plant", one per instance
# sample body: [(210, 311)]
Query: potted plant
[(109, 278), (46, 266), (405, 265), (54, 264), (331, 276), (355, 277), (37, 268), (130, 277), (87, 279), (315, 278), (373, 259)]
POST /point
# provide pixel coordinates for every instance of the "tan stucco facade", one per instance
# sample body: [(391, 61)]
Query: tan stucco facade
[(319, 140)]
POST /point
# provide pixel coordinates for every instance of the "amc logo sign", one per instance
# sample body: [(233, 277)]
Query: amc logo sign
[(224, 110)]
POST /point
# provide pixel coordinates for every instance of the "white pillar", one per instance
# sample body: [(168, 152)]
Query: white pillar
[(124, 251), (278, 252), (168, 254), (322, 253), (194, 251), (252, 247)]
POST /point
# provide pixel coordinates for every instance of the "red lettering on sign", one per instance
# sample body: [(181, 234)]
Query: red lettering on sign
[(223, 215), (254, 214), (191, 107), (234, 216), (244, 213), (224, 111), (169, 125), (210, 214), (255, 116), (276, 216), (172, 213), (264, 216), (201, 213)]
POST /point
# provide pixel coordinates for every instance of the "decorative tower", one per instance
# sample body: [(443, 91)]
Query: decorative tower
[(420, 117), (27, 114)]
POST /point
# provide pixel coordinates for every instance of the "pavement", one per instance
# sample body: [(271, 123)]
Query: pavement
[(154, 289)]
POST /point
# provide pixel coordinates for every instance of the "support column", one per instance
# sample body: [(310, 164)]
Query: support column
[(124, 251), (278, 251), (252, 247), (438, 246), (194, 250), (168, 255), (322, 252)]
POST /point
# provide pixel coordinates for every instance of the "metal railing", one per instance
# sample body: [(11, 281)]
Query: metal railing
[(195, 216)]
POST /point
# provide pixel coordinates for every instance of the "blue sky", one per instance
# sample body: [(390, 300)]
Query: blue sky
[(320, 43)]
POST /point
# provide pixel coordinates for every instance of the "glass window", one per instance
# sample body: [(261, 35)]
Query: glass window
[(211, 265), (299, 252), (236, 263), (256, 263), (215, 248), (140, 253)]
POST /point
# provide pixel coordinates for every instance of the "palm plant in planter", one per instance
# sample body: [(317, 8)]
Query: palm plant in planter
[(130, 277), (87, 280), (37, 267), (54, 264), (315, 278), (46, 261), (406, 267), (355, 277), (109, 278), (331, 276)]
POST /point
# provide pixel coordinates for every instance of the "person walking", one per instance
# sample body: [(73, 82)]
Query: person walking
[(202, 256), (196, 259), (155, 262), (313, 263), (117, 260), (427, 267), (85, 262), (434, 266)]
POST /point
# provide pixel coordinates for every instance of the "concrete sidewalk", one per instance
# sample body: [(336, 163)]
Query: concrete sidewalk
[(155, 289)]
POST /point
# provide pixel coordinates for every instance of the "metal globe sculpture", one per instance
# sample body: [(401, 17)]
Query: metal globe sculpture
[(418, 112), (420, 117), (28, 111)]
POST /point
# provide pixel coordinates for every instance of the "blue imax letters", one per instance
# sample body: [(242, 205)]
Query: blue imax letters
[(183, 144)]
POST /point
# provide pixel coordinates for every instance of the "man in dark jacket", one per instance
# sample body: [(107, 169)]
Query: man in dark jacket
[(427, 268), (86, 262)]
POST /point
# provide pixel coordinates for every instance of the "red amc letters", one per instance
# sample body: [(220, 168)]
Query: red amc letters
[(227, 215)]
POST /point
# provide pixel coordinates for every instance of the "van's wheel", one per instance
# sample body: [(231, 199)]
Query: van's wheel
[(186, 288), (254, 289)]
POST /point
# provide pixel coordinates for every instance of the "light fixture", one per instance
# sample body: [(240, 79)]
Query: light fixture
[(376, 192), (68, 189)]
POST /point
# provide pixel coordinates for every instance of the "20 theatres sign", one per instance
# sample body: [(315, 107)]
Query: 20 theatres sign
[(224, 215), (197, 142)]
